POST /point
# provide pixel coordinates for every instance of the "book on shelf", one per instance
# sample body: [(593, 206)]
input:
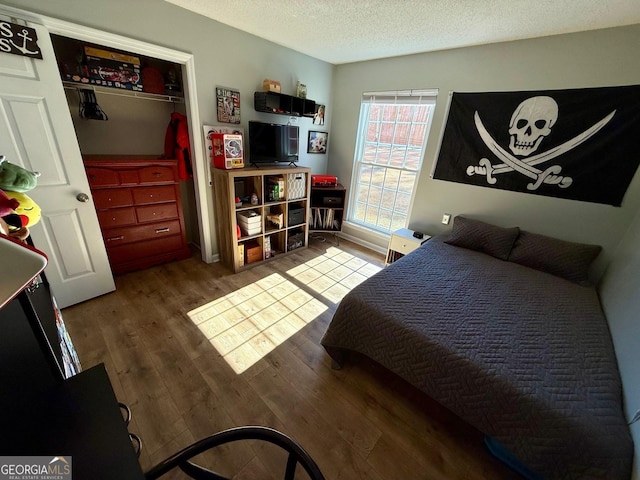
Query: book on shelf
[(324, 219)]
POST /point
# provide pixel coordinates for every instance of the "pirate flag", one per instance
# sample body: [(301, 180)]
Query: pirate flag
[(580, 144)]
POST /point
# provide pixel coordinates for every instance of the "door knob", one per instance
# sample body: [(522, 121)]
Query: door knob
[(82, 197)]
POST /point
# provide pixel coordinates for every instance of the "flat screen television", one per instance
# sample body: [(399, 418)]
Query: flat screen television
[(273, 143)]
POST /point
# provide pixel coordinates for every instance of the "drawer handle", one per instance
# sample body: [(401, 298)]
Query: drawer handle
[(113, 239), (137, 443), (162, 230), (127, 412), (157, 174)]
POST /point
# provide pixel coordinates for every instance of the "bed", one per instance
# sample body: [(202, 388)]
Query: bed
[(501, 327)]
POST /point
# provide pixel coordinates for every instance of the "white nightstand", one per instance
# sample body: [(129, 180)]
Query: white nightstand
[(402, 242)]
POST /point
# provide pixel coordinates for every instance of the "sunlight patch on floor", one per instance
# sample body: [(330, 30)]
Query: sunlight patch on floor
[(250, 322)]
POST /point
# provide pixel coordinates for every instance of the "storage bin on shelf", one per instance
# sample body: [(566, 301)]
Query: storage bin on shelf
[(250, 222), (296, 186), (296, 216), (295, 240), (253, 252)]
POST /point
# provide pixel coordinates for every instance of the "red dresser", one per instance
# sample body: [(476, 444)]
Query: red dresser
[(137, 198)]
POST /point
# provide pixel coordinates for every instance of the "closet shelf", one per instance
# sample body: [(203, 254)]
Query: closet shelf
[(124, 93)]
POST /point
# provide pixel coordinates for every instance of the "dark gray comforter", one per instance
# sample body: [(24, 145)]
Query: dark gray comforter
[(523, 356)]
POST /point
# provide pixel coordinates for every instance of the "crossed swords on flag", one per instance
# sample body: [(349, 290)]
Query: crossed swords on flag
[(527, 167)]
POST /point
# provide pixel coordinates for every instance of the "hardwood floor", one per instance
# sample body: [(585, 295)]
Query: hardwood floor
[(194, 349)]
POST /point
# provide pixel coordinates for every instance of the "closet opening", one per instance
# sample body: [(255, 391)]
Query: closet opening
[(128, 110)]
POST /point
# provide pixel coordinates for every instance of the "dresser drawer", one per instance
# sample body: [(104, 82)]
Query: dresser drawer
[(146, 195), (128, 177), (156, 175), (113, 197), (136, 251), (102, 177), (117, 217), (153, 213), (120, 236)]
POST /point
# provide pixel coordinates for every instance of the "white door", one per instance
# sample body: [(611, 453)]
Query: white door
[(36, 132)]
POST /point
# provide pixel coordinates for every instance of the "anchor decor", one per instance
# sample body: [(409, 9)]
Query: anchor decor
[(19, 40), (578, 144)]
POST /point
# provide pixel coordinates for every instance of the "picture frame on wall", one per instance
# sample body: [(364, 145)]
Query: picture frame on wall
[(318, 117), (228, 105), (317, 142)]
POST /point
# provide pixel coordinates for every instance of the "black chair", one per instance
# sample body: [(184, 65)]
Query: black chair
[(182, 459)]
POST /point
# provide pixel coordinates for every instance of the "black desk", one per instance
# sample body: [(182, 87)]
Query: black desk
[(42, 414), (80, 418)]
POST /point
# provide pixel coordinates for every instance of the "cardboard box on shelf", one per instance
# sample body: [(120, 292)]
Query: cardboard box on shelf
[(111, 69), (253, 252), (275, 189), (267, 247), (241, 254), (271, 85), (250, 222)]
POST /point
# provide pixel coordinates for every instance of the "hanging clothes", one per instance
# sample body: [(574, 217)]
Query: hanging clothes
[(177, 144)]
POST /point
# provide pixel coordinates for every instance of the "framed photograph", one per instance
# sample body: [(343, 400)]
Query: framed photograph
[(318, 117), (228, 103), (317, 142)]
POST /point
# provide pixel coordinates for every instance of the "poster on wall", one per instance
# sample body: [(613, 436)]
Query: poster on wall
[(578, 144), (228, 104)]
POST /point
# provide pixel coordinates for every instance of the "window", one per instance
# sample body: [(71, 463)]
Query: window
[(392, 136)]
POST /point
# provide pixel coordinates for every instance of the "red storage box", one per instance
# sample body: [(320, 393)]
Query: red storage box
[(324, 180)]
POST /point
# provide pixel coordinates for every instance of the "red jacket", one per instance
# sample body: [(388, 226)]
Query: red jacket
[(177, 144)]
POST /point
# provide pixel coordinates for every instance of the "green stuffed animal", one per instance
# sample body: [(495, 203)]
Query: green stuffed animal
[(15, 178)]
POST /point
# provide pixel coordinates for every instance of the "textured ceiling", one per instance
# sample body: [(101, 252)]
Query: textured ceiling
[(343, 31)]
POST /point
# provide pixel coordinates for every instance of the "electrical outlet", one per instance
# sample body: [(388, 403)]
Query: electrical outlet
[(445, 218)]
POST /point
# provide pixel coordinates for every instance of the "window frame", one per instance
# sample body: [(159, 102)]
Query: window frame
[(403, 97)]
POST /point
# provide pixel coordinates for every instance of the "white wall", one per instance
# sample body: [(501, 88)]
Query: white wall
[(136, 126), (620, 297), (590, 59), (223, 56)]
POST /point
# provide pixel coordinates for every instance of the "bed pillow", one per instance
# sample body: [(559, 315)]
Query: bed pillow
[(482, 237), (561, 258)]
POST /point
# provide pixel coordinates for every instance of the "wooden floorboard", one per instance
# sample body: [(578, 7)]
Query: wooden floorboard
[(194, 349)]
